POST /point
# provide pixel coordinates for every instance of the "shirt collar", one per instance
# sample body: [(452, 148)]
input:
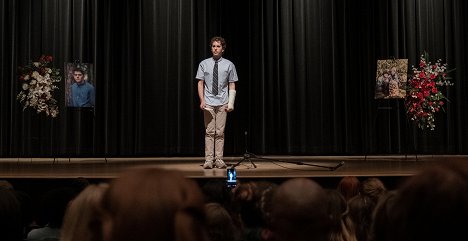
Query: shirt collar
[(219, 60)]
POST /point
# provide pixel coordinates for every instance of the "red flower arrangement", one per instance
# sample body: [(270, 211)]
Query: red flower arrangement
[(38, 81), (424, 97)]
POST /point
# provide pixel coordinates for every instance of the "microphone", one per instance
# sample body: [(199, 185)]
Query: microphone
[(338, 166)]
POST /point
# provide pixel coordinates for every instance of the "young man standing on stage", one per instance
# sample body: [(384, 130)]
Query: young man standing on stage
[(217, 92)]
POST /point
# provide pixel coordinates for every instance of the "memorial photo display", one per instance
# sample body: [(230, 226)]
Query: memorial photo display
[(80, 90), (391, 79)]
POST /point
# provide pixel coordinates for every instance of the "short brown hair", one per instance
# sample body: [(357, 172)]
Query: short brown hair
[(220, 39)]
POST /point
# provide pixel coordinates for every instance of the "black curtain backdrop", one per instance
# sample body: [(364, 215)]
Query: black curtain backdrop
[(307, 71)]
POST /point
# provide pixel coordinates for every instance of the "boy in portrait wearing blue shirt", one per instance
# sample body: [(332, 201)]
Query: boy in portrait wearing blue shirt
[(82, 92)]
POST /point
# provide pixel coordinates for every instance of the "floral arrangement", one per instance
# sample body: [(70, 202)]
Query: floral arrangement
[(38, 82), (424, 97)]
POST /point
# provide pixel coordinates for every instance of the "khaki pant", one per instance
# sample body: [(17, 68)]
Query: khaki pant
[(215, 122)]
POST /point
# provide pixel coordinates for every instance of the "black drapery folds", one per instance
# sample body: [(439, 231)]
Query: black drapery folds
[(307, 72)]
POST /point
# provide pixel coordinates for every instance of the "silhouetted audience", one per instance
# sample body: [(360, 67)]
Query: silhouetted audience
[(79, 184), (372, 187), (342, 228), (430, 206), (361, 208), (11, 228), (251, 203), (348, 187), (81, 221), (381, 216), (6, 185), (216, 190), (299, 212), (220, 224), (25, 202), (51, 213), (147, 204)]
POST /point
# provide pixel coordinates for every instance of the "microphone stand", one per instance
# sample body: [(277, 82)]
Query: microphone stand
[(331, 168), (249, 156)]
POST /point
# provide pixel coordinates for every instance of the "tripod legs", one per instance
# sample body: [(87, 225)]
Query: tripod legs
[(247, 157)]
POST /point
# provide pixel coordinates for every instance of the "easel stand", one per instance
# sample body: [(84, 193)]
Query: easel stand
[(389, 109)]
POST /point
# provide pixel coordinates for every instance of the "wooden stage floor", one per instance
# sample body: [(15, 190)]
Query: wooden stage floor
[(267, 167)]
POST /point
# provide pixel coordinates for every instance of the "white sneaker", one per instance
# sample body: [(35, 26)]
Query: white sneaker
[(220, 164), (208, 165)]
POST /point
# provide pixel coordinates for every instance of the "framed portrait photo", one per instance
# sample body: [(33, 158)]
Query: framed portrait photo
[(392, 75), (80, 88)]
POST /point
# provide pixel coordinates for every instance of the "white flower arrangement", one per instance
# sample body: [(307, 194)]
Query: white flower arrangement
[(38, 82)]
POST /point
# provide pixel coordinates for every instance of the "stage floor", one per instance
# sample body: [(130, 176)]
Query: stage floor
[(267, 167)]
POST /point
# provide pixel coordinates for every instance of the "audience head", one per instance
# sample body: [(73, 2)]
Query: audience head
[(251, 200), (27, 209), (11, 228), (251, 205), (220, 225), (53, 206), (372, 187), (361, 208), (342, 228), (348, 187), (216, 190), (432, 205), (79, 184), (146, 204), (382, 216), (81, 221), (24, 200), (337, 207), (6, 185), (299, 211)]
